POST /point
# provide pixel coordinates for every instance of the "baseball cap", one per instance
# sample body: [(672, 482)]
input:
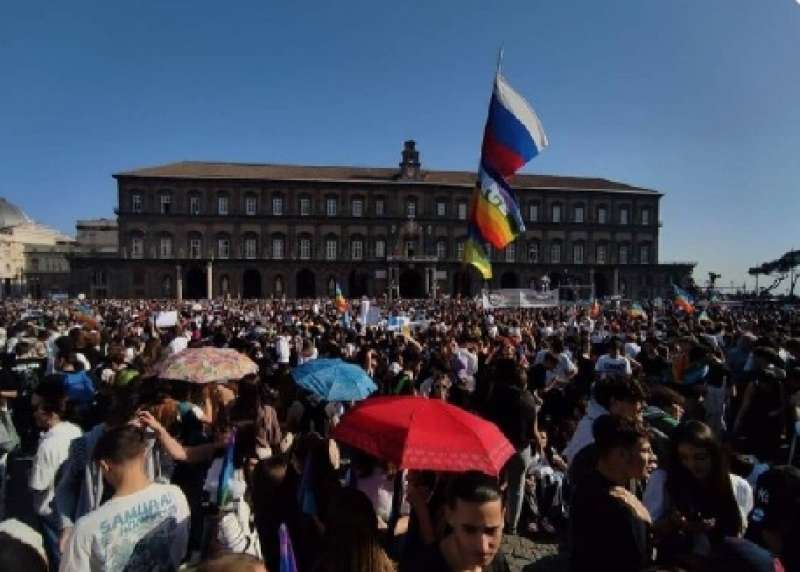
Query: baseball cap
[(776, 498)]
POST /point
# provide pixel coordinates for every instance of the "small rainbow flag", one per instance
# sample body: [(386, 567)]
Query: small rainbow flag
[(339, 299), (637, 312), (683, 300), (226, 472), (475, 253), (287, 561)]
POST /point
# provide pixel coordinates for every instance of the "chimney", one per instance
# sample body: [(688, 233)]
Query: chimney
[(410, 166)]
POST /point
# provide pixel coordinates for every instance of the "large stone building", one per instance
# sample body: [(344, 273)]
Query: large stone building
[(258, 230), (33, 257)]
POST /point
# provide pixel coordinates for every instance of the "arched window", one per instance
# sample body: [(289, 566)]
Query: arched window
[(380, 248), (624, 253), (278, 286), (250, 204), (533, 252), (165, 245), (331, 247), (441, 249), (166, 286), (223, 204), (225, 284), (195, 245), (278, 246), (602, 215), (165, 202), (194, 203), (331, 286), (223, 246), (277, 204), (511, 253), (555, 213), (137, 244), (304, 247), (357, 248), (250, 245), (555, 252), (577, 253)]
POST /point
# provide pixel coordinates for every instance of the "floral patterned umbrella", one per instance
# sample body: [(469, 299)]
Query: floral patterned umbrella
[(206, 365)]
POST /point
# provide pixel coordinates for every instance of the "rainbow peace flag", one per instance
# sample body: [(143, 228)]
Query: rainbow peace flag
[(683, 300), (513, 136), (339, 300)]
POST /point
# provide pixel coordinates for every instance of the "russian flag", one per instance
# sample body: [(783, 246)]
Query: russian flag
[(513, 134)]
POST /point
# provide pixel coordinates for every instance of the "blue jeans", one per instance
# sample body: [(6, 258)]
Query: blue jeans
[(517, 467)]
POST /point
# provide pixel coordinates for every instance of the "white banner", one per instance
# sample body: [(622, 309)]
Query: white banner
[(520, 298)]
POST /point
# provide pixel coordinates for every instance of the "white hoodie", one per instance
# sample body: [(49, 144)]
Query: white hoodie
[(583, 435)]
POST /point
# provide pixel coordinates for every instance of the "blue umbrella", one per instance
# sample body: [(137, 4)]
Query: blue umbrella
[(334, 380)]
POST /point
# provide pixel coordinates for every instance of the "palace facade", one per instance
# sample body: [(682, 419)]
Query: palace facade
[(196, 229)]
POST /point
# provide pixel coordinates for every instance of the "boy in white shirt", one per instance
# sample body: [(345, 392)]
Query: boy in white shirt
[(143, 527), (49, 403)]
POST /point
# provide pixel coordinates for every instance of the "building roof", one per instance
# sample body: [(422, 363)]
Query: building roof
[(11, 214), (269, 172)]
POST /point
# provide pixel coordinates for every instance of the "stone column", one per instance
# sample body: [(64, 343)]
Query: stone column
[(427, 281), (209, 280), (179, 283), (615, 282), (591, 281)]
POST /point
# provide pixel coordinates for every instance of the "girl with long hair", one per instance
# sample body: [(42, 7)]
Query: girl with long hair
[(696, 502)]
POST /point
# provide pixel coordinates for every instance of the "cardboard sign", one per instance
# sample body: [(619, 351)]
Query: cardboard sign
[(167, 319)]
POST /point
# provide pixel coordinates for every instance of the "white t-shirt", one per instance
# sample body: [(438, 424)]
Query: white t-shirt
[(618, 365), (52, 452), (178, 344), (282, 348), (144, 531)]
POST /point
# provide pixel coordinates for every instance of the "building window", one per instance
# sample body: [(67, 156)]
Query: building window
[(410, 248), (331, 248), (644, 254), (357, 208), (250, 247), (224, 247), (533, 253), (556, 210), (277, 205), (277, 247), (511, 253), (305, 206), (357, 249), (137, 247), (645, 217), (601, 253), (441, 208), (462, 210), (579, 214), (195, 248), (577, 253), (533, 212), (136, 203), (623, 215), (165, 247), (379, 204), (380, 248), (222, 205), (166, 204), (194, 205), (602, 215), (624, 254), (250, 205), (555, 253), (166, 287), (411, 208), (460, 250), (441, 250), (330, 206), (305, 248), (278, 286)]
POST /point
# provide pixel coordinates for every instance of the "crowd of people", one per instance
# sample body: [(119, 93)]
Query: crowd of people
[(659, 441)]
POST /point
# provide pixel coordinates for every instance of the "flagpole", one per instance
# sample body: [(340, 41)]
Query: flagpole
[(500, 59)]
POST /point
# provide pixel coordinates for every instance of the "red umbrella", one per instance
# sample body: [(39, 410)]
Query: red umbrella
[(424, 434)]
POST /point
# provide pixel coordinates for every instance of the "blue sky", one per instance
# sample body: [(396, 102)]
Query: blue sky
[(696, 98)]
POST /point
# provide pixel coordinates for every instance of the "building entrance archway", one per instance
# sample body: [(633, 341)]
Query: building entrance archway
[(251, 284), (195, 284), (306, 286), (411, 284)]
